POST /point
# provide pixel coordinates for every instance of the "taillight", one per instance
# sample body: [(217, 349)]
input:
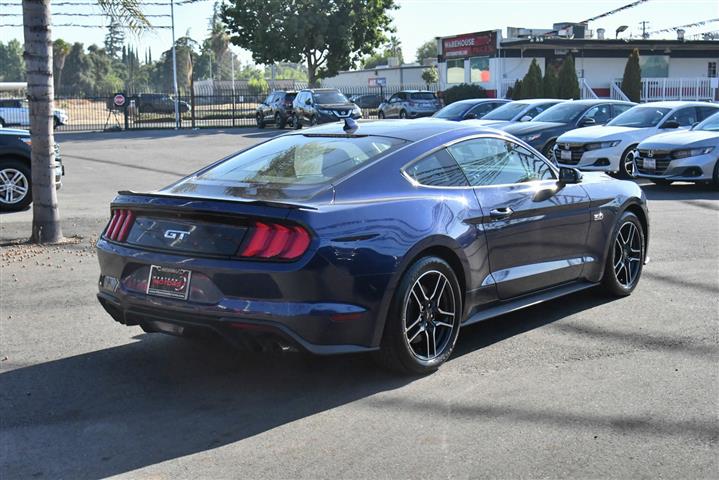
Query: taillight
[(119, 225), (274, 241)]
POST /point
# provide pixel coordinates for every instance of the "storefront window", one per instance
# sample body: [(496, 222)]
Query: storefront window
[(455, 71), (479, 67), (654, 66)]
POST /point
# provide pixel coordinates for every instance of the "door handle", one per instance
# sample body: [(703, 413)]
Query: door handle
[(499, 213)]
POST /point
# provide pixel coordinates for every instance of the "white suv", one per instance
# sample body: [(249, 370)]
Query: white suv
[(611, 147), (17, 112)]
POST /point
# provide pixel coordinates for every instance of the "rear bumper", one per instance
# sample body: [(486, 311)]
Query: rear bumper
[(315, 325)]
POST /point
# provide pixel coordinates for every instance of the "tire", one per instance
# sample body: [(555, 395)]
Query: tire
[(280, 121), (417, 340), (626, 160), (625, 259), (297, 123), (661, 182), (55, 123), (313, 121), (402, 114), (715, 176), (260, 121), (15, 174), (2, 123), (380, 115), (548, 150)]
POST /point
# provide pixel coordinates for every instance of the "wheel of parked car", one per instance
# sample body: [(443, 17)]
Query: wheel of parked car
[(313, 121), (402, 114), (715, 177), (280, 121), (260, 121), (15, 185), (296, 122), (661, 181), (626, 256), (423, 322), (55, 122), (548, 149), (147, 108), (2, 123), (380, 115), (626, 166)]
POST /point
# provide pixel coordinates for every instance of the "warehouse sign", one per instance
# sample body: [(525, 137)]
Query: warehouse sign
[(470, 44)]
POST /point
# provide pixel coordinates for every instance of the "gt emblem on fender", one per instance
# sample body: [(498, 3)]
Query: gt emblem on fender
[(598, 216)]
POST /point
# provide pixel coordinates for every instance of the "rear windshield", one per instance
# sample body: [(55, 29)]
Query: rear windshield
[(640, 117), (506, 112), (329, 97), (422, 96), (301, 159), (290, 96)]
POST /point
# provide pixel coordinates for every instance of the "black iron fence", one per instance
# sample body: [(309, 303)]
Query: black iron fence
[(207, 108)]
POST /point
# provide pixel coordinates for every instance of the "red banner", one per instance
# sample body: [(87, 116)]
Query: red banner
[(470, 45)]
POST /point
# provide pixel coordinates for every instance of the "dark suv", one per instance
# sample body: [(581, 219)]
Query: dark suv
[(15, 176), (276, 108), (159, 103), (322, 105)]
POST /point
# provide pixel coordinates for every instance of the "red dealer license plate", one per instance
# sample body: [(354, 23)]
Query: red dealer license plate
[(169, 282)]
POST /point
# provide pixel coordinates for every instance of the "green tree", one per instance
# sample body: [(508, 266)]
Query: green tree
[(430, 76), (427, 50), (532, 81), (516, 90), (39, 71), (632, 79), (550, 83), (328, 42), (77, 70), (114, 39), (463, 91), (12, 65), (60, 51), (568, 85)]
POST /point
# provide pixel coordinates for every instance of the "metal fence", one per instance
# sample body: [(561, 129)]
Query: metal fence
[(207, 108)]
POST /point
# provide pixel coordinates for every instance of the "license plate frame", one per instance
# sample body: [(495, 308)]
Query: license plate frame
[(169, 282), (649, 163), (565, 154)]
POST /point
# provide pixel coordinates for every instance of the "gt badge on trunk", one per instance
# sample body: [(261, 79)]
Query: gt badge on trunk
[(169, 282)]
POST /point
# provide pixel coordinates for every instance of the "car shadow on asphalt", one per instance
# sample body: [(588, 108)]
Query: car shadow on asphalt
[(149, 133), (115, 410), (681, 191)]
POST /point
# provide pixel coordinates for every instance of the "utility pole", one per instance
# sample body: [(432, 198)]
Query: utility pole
[(644, 24), (174, 67)]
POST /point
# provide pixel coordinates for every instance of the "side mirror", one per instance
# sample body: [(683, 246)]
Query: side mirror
[(568, 175), (525, 118), (470, 116), (587, 121), (670, 124)]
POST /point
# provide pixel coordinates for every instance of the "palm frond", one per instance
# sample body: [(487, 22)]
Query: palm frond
[(126, 12)]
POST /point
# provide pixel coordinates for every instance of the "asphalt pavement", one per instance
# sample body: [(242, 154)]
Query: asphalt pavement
[(580, 387)]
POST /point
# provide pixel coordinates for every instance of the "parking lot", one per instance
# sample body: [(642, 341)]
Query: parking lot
[(578, 387)]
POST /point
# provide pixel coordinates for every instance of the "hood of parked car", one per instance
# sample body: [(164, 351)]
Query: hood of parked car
[(490, 123), (604, 132), (15, 132), (336, 106), (692, 138), (526, 128)]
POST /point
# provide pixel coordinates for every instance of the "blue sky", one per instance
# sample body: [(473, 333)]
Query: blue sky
[(416, 20)]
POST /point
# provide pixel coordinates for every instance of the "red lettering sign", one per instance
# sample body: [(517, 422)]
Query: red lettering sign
[(470, 45)]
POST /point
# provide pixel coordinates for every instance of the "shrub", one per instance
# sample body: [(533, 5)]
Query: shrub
[(532, 81), (632, 79), (568, 84), (463, 91), (550, 83), (516, 91)]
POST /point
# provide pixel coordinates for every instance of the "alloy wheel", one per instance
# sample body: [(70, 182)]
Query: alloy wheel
[(627, 257), (628, 165), (430, 316), (14, 186)]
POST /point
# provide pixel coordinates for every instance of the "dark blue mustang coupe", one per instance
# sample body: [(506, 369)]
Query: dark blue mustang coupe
[(383, 237)]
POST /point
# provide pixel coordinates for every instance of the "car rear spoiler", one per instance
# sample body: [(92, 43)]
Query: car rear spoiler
[(263, 203)]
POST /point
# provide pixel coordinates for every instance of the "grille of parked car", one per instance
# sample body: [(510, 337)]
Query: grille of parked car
[(577, 152), (661, 158)]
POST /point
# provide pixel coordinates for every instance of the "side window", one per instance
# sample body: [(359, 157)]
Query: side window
[(482, 109), (601, 113), (685, 116), (492, 161), (439, 170), (705, 112), (402, 96), (532, 112), (393, 99), (619, 108)]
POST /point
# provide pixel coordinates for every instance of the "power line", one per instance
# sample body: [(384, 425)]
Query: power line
[(60, 14), (85, 4), (80, 25), (688, 25), (616, 10)]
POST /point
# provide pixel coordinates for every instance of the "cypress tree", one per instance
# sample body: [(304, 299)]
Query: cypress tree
[(532, 81), (632, 79), (568, 85), (517, 90), (550, 83)]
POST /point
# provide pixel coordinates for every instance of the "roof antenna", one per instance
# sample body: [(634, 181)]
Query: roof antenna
[(350, 126)]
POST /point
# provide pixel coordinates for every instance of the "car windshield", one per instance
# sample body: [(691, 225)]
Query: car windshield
[(300, 159), (640, 117), (710, 124), (453, 110), (561, 113), (422, 96), (329, 97), (506, 112)]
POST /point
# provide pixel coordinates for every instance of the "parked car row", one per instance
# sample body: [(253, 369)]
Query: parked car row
[(311, 106), (16, 112)]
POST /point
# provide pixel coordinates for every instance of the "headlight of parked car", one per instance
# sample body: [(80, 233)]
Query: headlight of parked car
[(357, 110), (534, 136), (599, 145), (691, 152)]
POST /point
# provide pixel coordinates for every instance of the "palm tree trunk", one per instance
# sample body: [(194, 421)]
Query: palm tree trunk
[(38, 61)]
